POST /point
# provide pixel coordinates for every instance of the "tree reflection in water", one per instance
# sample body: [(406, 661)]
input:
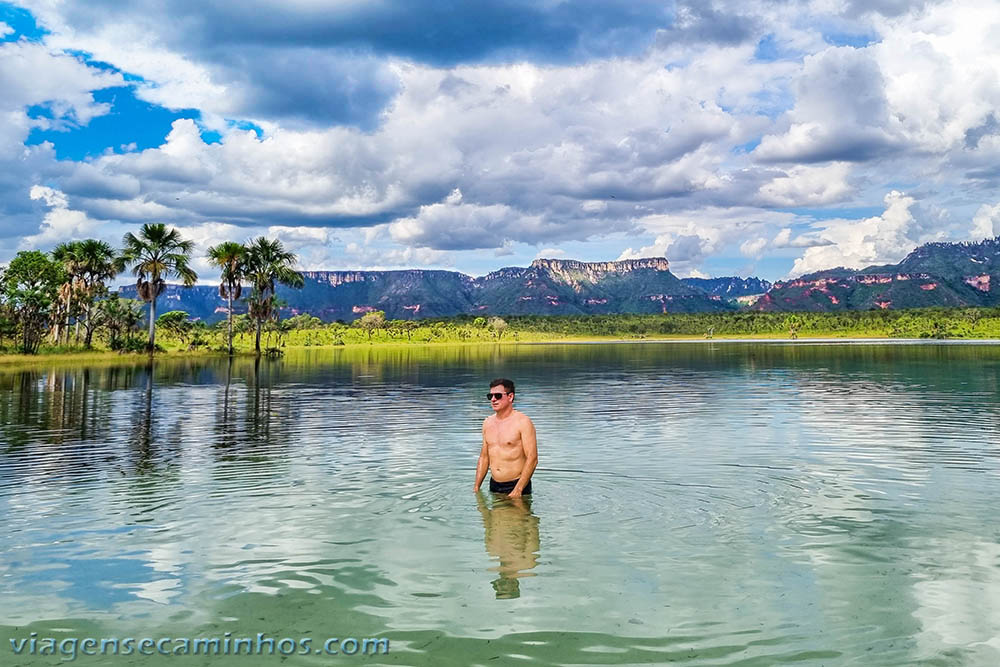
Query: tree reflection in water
[(260, 408), (511, 536), (141, 440)]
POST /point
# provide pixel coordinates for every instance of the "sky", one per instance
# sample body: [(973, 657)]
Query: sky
[(765, 138)]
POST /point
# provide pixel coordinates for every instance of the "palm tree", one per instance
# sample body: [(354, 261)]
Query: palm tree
[(267, 262), (231, 258), (154, 255), (97, 264), (68, 255)]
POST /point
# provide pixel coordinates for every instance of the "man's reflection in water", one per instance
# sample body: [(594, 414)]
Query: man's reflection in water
[(511, 536)]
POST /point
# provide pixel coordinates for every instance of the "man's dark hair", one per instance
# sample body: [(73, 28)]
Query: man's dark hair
[(508, 385)]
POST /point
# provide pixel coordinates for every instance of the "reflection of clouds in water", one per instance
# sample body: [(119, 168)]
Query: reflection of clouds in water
[(160, 590), (891, 411), (40, 593), (854, 433), (795, 501), (961, 608)]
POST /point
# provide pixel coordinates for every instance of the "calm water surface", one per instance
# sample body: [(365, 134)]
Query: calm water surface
[(710, 504)]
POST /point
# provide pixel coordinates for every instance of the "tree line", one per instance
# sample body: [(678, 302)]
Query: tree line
[(64, 294), (306, 330), (50, 294)]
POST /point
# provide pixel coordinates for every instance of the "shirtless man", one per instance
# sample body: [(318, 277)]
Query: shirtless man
[(509, 449)]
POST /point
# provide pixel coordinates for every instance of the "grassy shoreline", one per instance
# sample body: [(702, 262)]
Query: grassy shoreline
[(105, 355), (197, 339)]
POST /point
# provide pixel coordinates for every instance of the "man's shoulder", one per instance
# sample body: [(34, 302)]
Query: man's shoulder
[(523, 418)]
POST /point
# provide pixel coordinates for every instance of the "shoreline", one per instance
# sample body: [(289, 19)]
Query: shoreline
[(819, 340), (109, 356)]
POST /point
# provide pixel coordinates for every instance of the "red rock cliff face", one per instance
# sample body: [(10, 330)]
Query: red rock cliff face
[(860, 279), (981, 283)]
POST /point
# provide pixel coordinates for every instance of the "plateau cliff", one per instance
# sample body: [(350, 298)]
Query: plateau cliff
[(546, 287)]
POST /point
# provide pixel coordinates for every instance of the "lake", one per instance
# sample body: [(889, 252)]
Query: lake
[(696, 503)]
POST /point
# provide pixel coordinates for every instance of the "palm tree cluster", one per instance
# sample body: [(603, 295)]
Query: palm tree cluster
[(263, 263), (87, 265), (70, 287)]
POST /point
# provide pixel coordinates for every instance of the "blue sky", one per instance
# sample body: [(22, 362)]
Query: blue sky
[(734, 138)]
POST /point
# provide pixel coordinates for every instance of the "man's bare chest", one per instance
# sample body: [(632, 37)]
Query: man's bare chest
[(503, 435)]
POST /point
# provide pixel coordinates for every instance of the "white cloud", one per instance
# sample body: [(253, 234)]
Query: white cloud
[(684, 251), (807, 185), (376, 259), (133, 44), (60, 223), (688, 238), (941, 67), (840, 112), (920, 88), (313, 246), (754, 247), (5, 29), (512, 153), (506, 250), (986, 223), (784, 240), (695, 273), (286, 177), (550, 253), (882, 239), (204, 236), (61, 87), (52, 198), (512, 138), (94, 183), (454, 225), (31, 74), (297, 238)]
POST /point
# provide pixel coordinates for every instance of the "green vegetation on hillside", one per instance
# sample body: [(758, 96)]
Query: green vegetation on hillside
[(918, 323)]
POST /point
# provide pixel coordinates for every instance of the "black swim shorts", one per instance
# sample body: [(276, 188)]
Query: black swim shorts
[(507, 487)]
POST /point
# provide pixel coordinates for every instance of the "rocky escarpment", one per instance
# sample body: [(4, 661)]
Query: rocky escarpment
[(730, 288), (335, 278), (548, 286), (577, 274), (597, 270), (937, 274), (507, 273), (570, 287)]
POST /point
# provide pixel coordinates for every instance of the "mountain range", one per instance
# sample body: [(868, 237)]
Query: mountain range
[(548, 286), (936, 274)]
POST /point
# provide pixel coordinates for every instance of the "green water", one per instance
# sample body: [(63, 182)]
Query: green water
[(707, 504)]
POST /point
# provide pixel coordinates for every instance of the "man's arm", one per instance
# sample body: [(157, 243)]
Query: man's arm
[(530, 457), (484, 461)]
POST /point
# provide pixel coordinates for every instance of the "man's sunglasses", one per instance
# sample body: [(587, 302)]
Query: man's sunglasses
[(490, 397)]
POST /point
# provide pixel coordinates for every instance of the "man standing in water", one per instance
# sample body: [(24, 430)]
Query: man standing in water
[(509, 448)]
